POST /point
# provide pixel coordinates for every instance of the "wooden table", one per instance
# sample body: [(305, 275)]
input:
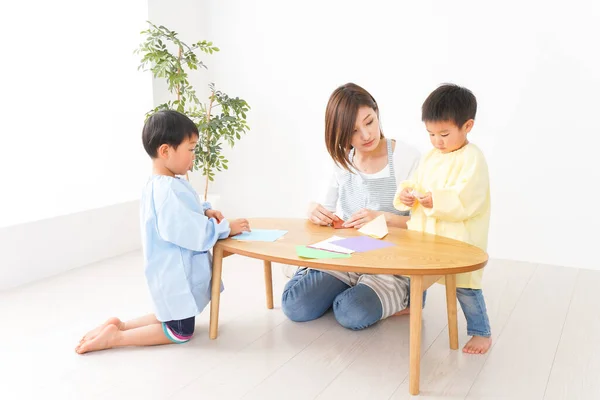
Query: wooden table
[(425, 258)]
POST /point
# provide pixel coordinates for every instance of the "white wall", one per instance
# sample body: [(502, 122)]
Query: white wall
[(73, 104), (36, 250), (533, 66)]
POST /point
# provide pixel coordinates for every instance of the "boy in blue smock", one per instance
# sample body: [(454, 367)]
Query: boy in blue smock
[(178, 232)]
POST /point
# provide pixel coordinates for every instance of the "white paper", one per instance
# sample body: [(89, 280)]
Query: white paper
[(327, 246)]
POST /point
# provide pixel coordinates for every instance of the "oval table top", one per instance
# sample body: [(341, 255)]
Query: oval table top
[(414, 253)]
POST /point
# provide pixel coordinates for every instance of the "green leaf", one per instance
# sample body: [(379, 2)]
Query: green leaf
[(226, 118)]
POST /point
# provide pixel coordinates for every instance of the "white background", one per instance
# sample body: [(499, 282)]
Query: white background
[(73, 102), (532, 65), (73, 105)]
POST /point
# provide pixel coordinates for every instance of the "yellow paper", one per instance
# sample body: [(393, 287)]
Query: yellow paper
[(376, 228)]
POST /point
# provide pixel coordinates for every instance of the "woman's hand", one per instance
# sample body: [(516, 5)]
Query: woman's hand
[(319, 215), (360, 218)]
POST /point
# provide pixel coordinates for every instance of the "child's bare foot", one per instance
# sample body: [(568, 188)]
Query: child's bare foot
[(104, 340), (478, 345), (406, 311), (93, 333)]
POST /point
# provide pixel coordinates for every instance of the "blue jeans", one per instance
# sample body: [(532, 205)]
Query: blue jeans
[(310, 293), (473, 306)]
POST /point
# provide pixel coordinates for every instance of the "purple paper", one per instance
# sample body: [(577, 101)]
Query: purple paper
[(362, 243)]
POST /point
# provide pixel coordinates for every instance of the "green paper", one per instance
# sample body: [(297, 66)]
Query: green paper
[(307, 252)]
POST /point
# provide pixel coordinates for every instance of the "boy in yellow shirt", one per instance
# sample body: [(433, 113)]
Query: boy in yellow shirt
[(449, 195)]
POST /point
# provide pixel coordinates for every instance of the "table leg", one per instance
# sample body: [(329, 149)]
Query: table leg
[(416, 308), (269, 284), (451, 304), (215, 291)]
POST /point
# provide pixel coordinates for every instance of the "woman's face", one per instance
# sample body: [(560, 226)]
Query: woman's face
[(366, 134)]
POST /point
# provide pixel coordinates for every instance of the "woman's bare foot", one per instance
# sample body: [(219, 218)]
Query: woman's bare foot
[(104, 340), (406, 311), (93, 333), (478, 345)]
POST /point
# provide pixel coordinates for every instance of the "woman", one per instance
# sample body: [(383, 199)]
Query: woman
[(368, 168)]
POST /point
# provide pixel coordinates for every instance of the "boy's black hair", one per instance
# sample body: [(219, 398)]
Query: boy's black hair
[(449, 102), (166, 127)]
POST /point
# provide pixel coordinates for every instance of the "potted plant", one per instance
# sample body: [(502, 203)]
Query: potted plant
[(220, 120)]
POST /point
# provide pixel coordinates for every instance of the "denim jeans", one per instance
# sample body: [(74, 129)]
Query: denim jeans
[(310, 293), (473, 306)]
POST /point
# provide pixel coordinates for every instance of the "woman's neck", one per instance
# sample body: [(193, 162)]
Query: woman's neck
[(373, 161), (366, 156)]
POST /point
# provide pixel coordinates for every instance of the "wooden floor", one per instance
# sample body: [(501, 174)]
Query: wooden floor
[(545, 323)]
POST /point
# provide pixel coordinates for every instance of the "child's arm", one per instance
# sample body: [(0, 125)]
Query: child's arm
[(216, 214), (206, 206), (180, 225), (467, 198)]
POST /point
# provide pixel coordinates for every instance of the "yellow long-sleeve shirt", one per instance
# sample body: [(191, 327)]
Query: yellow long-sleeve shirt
[(460, 188)]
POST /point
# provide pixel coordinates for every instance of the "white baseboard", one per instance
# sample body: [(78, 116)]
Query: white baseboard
[(40, 249)]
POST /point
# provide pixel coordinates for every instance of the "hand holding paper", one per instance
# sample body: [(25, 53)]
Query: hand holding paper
[(376, 228), (360, 218), (338, 223), (426, 200), (407, 197), (319, 215)]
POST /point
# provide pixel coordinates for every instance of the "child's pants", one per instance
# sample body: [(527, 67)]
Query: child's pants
[(473, 306), (179, 331)]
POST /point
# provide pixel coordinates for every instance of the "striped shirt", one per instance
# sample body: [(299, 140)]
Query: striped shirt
[(350, 192)]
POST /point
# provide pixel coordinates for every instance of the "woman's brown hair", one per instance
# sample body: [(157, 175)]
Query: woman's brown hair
[(340, 117)]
